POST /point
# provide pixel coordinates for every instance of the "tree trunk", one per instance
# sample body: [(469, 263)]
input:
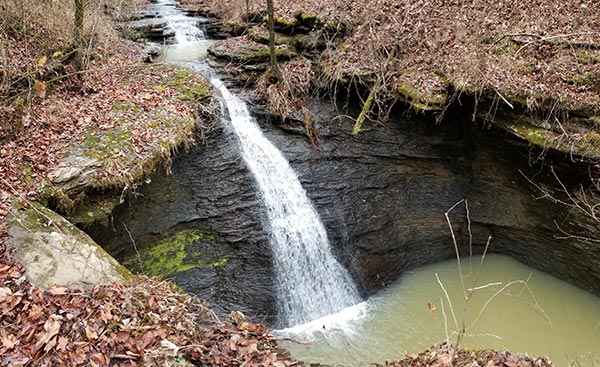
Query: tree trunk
[(274, 74), (247, 11), (78, 32)]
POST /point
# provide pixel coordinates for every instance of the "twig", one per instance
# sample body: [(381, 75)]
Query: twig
[(462, 281), (470, 236), (504, 99), (288, 339), (448, 299), (139, 257)]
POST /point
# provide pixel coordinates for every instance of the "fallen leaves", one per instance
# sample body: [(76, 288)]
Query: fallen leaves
[(439, 356), (46, 337), (145, 322)]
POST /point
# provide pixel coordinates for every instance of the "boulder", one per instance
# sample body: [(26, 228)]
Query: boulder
[(56, 253), (243, 50)]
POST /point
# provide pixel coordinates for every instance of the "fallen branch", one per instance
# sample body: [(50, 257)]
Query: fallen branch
[(367, 105)]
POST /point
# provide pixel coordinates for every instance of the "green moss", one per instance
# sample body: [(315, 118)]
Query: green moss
[(179, 252), (94, 212), (309, 21), (585, 56), (535, 135), (106, 144), (220, 262), (51, 196), (282, 22), (263, 54), (588, 78), (189, 86), (419, 100), (26, 173), (126, 106)]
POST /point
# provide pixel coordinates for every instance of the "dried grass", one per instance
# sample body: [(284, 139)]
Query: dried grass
[(37, 43), (537, 52), (292, 91)]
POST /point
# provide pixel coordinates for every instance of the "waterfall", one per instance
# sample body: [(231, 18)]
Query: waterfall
[(310, 282)]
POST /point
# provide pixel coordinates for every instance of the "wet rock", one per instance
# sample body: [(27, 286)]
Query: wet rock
[(211, 193), (151, 52), (56, 253), (242, 50), (151, 29)]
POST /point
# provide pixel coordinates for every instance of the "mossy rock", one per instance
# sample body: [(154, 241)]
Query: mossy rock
[(573, 141), (284, 26), (421, 101), (261, 35), (86, 168), (243, 52), (94, 211), (176, 253), (309, 21)]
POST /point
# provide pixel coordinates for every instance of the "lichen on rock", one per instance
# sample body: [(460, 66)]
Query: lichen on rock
[(56, 253)]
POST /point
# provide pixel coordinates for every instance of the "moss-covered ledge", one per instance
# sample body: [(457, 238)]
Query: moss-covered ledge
[(550, 125), (144, 134)]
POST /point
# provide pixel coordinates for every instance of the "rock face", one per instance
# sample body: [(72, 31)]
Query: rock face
[(55, 253), (382, 196), (212, 194)]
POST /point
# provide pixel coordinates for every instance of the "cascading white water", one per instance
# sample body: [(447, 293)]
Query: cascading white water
[(185, 27), (310, 282)]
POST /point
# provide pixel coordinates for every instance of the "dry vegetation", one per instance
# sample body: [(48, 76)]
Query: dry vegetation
[(533, 53), (141, 323)]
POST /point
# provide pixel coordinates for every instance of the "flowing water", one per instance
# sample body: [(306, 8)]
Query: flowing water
[(543, 317), (310, 282), (190, 39), (305, 269)]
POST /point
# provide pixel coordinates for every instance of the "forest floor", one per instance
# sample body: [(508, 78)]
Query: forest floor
[(541, 52)]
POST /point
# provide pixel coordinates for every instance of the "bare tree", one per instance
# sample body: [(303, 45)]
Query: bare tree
[(78, 31), (274, 73)]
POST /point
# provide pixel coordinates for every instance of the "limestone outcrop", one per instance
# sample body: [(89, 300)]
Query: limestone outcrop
[(56, 253)]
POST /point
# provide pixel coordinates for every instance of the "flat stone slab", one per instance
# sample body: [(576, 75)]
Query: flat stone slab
[(75, 172), (56, 253)]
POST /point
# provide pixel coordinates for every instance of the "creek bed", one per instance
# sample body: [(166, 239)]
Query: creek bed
[(521, 309)]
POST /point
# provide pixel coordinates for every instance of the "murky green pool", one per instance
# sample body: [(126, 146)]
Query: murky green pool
[(514, 307)]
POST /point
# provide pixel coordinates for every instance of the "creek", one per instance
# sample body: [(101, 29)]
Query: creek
[(381, 197)]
